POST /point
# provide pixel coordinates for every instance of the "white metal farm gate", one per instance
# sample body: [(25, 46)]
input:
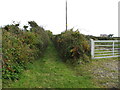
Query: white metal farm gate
[(105, 48)]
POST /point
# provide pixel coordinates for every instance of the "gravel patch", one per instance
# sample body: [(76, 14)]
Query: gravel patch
[(106, 73)]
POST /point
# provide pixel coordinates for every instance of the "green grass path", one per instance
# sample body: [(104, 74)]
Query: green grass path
[(50, 72)]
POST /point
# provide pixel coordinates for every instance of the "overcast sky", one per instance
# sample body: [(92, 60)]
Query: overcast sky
[(93, 17)]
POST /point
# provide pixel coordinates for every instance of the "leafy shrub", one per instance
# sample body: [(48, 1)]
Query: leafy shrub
[(72, 46), (50, 34), (21, 47)]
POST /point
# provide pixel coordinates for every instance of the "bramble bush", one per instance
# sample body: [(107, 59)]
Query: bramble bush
[(72, 46), (21, 47)]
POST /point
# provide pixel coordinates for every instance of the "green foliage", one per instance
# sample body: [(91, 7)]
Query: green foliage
[(33, 24), (50, 72), (50, 34), (72, 46), (20, 48), (25, 27)]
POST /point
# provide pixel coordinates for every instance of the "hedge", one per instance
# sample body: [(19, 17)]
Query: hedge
[(20, 47), (72, 46)]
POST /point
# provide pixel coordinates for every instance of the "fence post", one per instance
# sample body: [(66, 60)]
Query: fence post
[(92, 48), (113, 48), (1, 59)]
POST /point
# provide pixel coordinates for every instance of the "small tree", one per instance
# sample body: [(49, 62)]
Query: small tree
[(25, 27), (110, 35), (32, 23)]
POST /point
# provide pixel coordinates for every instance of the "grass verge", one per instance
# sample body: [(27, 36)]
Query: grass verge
[(51, 72)]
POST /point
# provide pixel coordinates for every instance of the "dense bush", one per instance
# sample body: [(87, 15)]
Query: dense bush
[(50, 34), (21, 47), (72, 46)]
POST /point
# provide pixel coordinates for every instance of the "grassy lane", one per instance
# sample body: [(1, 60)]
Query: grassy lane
[(50, 72)]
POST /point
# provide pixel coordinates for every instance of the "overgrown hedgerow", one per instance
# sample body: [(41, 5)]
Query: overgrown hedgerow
[(72, 46), (21, 47)]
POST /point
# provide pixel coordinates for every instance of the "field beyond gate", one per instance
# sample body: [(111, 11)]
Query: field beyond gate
[(105, 48)]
